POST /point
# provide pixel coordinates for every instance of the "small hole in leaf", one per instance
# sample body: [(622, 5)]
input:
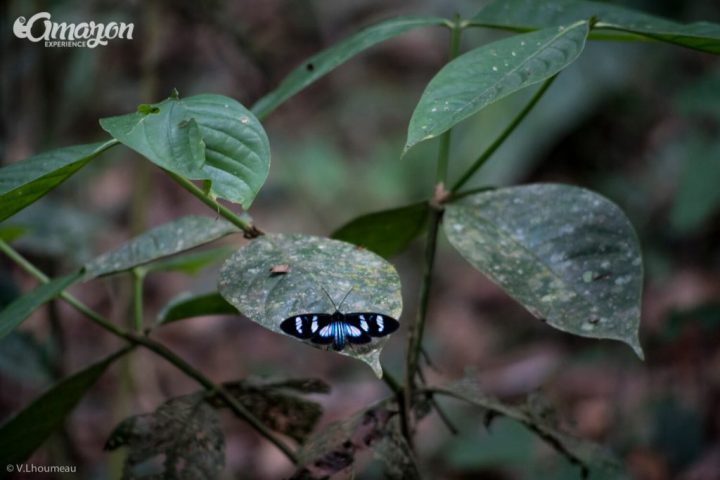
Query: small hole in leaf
[(310, 67)]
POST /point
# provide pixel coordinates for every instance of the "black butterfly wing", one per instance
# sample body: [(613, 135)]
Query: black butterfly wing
[(305, 326), (374, 324)]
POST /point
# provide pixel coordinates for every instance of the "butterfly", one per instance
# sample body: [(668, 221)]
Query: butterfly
[(339, 329)]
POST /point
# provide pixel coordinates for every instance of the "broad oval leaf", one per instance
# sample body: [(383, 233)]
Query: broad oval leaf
[(205, 137), (189, 306), (486, 74), (566, 254), (321, 63), (531, 15), (22, 434), (170, 238), (24, 182), (313, 264), (388, 232), (14, 314)]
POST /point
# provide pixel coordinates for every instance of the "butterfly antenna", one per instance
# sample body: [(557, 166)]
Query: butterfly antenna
[(331, 299), (343, 299)]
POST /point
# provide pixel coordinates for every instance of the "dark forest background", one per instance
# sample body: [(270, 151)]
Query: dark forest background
[(638, 123)]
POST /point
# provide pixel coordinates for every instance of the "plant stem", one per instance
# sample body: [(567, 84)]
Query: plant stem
[(138, 276), (444, 153), (503, 136), (250, 230), (158, 348), (417, 328)]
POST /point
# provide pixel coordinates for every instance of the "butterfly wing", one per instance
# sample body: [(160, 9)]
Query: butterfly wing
[(353, 330), (373, 324), (305, 326)]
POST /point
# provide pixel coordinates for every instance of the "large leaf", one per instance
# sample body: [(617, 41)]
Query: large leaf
[(188, 306), (387, 232), (24, 182), (205, 137), (314, 265), (531, 14), (538, 417), (181, 440), (566, 254), (22, 434), (14, 314), (167, 239), (486, 74), (325, 61)]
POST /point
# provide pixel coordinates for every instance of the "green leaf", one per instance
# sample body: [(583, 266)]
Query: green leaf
[(566, 254), (22, 183), (22, 434), (388, 232), (168, 239), (205, 137), (191, 263), (14, 314), (185, 306), (370, 283), (589, 456), (182, 439), (321, 63), (486, 74), (530, 15)]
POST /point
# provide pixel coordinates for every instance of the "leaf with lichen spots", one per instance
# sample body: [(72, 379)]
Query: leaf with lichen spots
[(278, 405), (568, 255), (181, 440), (314, 264)]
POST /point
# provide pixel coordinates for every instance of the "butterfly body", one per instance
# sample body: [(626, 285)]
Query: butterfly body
[(339, 329)]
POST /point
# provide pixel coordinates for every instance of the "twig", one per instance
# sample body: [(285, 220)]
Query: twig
[(159, 349), (250, 230), (503, 136)]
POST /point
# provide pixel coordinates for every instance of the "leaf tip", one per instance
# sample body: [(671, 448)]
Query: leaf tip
[(637, 348)]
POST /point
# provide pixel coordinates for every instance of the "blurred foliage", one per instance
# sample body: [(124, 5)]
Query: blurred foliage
[(637, 123)]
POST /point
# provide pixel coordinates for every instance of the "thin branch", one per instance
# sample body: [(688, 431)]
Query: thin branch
[(444, 153), (417, 328), (158, 348), (503, 136), (138, 280), (250, 230)]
